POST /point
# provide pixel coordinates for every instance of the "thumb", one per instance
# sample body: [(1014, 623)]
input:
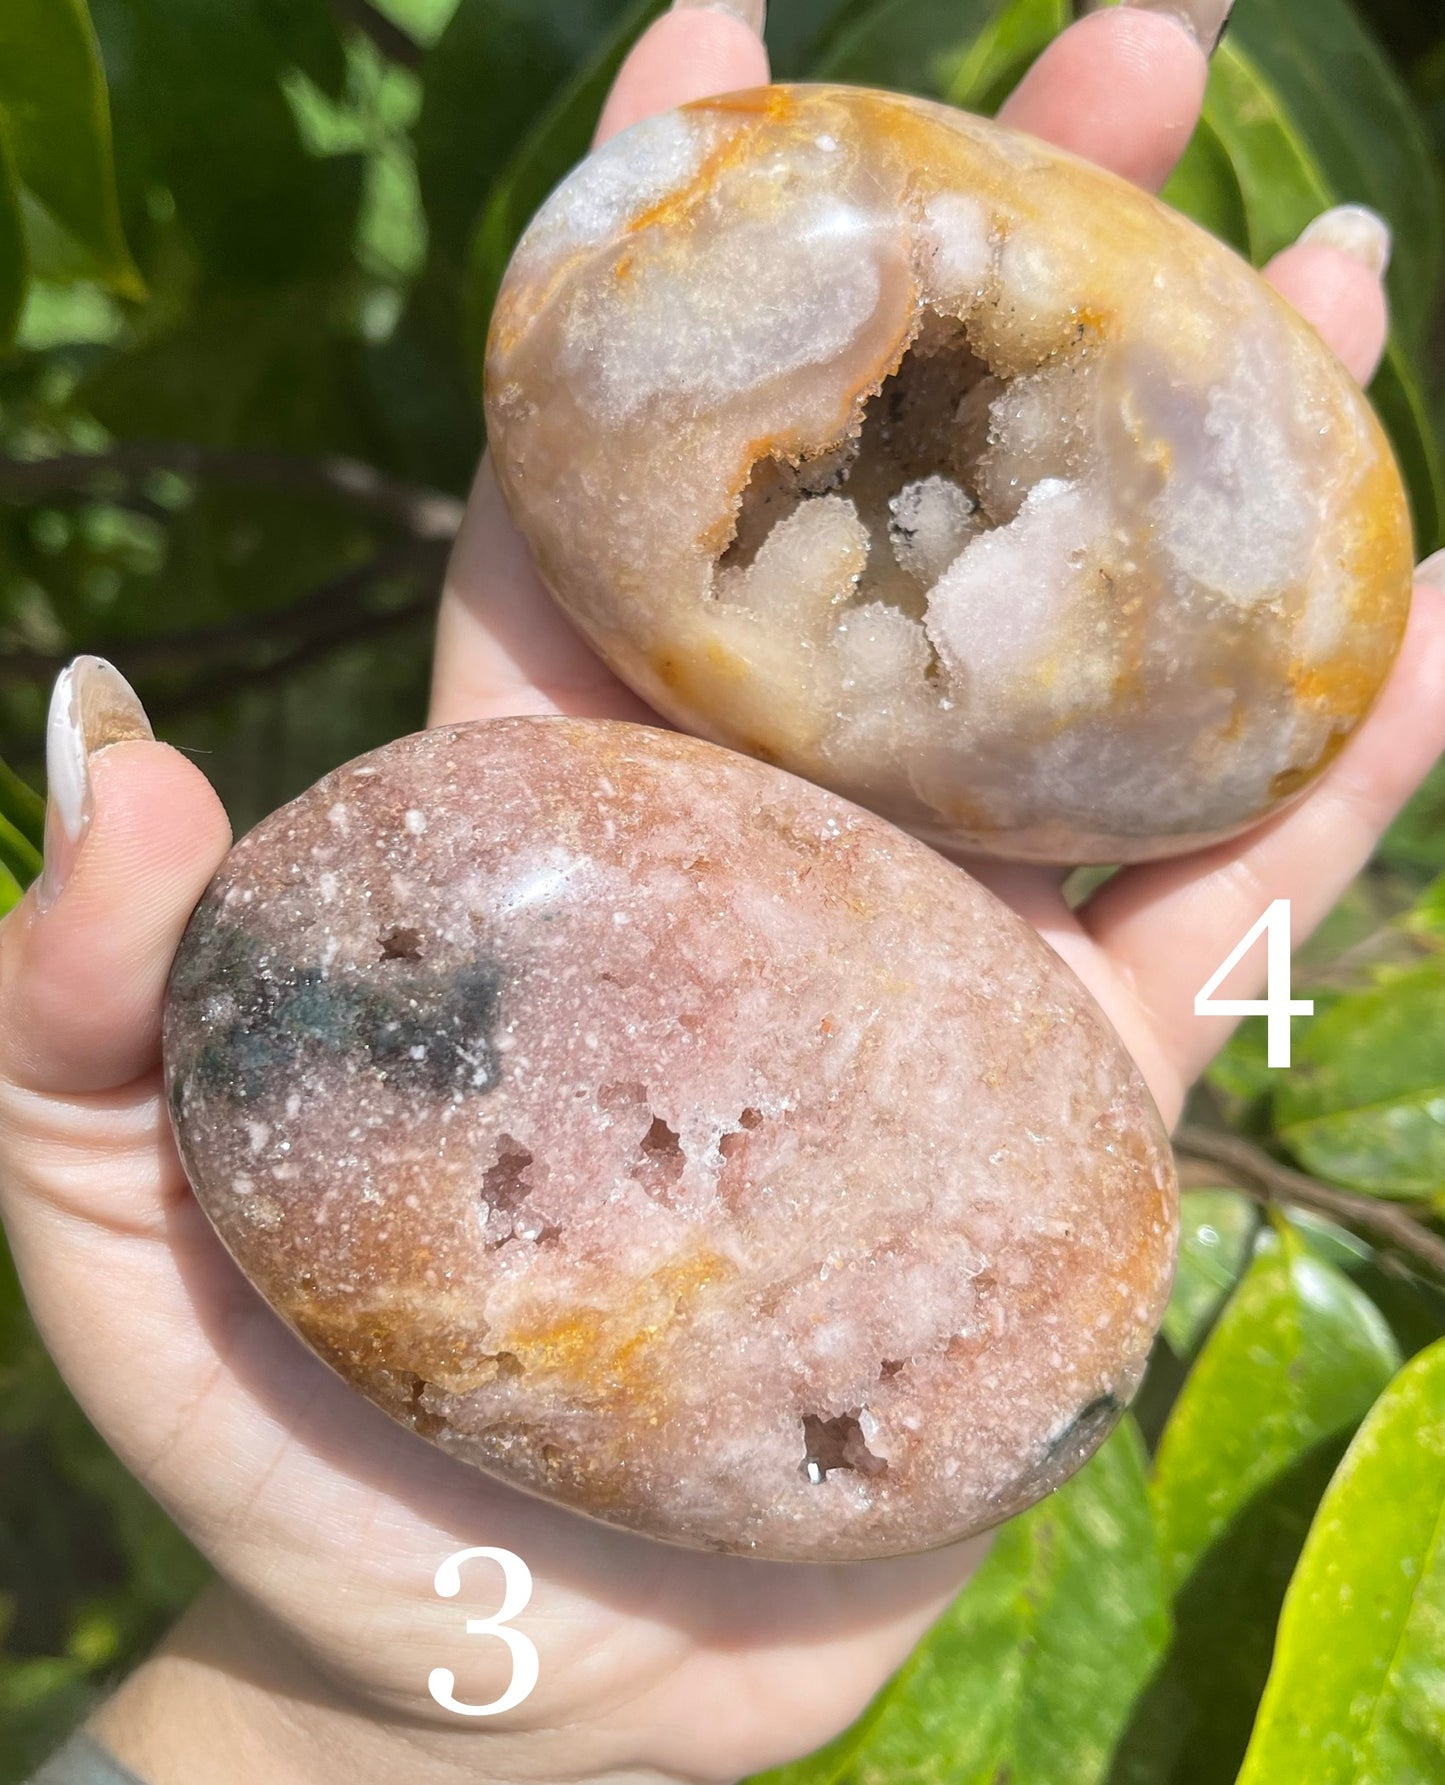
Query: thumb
[(133, 834)]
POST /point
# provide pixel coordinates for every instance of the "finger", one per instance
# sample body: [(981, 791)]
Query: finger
[(692, 52), (1167, 927), (1122, 88), (1334, 276), (503, 646), (134, 833)]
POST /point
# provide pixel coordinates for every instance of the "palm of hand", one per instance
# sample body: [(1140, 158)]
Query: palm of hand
[(330, 1520)]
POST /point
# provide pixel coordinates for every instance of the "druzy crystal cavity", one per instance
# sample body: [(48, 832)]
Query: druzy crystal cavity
[(919, 458), (672, 1139)]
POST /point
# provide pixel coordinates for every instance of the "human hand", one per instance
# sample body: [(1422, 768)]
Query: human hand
[(327, 1521)]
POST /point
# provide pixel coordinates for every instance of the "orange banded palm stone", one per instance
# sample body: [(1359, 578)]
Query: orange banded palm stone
[(670, 1138), (913, 455)]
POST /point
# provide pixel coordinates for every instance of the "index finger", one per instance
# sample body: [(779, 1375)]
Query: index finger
[(1123, 88), (697, 49)]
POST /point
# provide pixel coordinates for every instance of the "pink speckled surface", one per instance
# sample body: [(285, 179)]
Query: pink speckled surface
[(671, 1138)]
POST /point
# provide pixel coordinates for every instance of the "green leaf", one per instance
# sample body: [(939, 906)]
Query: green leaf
[(1357, 1692), (11, 891), (22, 805), (1192, 1723), (1400, 401), (1412, 1302), (1297, 1357), (263, 368), (554, 146), (1329, 1241), (1241, 1072), (1427, 919), (1365, 1102), (1363, 129), (996, 60), (1293, 1362), (14, 255), (1241, 1076), (424, 20), (1030, 1674), (41, 1701), (915, 46), (306, 36), (1205, 187), (1415, 843), (1280, 182), (55, 117), (1216, 1232), (498, 66), (798, 33), (18, 855), (201, 111)]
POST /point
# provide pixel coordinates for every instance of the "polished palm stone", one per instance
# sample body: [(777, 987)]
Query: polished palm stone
[(672, 1139), (919, 458)]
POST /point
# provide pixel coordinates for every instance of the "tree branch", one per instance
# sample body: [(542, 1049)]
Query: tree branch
[(224, 684), (1251, 1169), (340, 612), (334, 614), (385, 33), (425, 514)]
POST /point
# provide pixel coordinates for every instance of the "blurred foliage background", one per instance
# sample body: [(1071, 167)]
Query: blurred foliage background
[(247, 254)]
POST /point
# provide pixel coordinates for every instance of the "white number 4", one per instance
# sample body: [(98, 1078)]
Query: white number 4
[(1276, 1005), (517, 1590)]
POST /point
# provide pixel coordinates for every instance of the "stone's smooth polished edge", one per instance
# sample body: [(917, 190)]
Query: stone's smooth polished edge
[(671, 1138), (913, 455)]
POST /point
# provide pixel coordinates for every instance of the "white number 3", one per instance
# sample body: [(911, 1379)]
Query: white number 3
[(517, 1590), (1276, 1005)]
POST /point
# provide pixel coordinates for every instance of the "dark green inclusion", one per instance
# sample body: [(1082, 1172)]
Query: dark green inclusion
[(432, 1033)]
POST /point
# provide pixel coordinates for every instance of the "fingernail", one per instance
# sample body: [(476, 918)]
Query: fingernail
[(1355, 230), (1204, 20), (1432, 572), (753, 13), (93, 705)]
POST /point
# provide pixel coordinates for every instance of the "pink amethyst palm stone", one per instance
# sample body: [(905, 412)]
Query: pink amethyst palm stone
[(670, 1138), (910, 454)]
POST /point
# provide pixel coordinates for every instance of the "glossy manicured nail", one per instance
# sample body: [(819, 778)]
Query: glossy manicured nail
[(1355, 230), (1204, 20), (753, 13), (93, 705), (1432, 572)]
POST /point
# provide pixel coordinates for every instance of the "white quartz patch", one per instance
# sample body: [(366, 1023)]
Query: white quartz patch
[(933, 519), (1040, 427), (958, 238), (621, 179), (996, 612), (811, 561), (731, 316), (882, 652), (1238, 516)]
